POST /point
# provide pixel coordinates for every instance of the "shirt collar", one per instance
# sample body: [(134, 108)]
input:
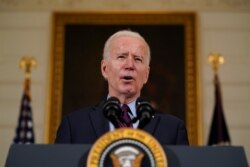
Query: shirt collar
[(131, 106)]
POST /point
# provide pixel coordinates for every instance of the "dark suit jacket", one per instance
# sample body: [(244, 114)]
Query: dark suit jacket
[(87, 125)]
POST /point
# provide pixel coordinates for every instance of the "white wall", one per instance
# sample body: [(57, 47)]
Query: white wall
[(22, 34), (229, 34), (26, 32)]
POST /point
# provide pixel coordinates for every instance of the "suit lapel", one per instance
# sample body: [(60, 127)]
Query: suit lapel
[(151, 127), (98, 120)]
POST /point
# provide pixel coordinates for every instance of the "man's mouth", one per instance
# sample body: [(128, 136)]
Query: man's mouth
[(127, 78)]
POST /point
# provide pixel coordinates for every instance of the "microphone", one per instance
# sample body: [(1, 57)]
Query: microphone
[(144, 112), (112, 110)]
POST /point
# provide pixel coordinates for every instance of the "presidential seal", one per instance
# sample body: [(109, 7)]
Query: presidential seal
[(127, 147)]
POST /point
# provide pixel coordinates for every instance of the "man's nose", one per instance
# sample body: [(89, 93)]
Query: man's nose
[(130, 62)]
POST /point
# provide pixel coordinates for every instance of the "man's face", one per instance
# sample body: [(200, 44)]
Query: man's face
[(126, 69)]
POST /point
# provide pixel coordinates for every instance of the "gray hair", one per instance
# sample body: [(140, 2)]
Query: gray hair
[(106, 50)]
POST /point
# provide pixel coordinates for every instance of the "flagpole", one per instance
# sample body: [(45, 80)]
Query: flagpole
[(24, 130), (27, 63), (219, 134), (215, 59)]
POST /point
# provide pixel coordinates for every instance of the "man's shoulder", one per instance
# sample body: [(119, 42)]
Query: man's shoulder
[(82, 112), (165, 117)]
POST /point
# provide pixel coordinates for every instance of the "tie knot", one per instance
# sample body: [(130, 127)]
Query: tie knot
[(125, 108)]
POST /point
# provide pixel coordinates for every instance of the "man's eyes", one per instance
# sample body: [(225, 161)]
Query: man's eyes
[(121, 57), (138, 59)]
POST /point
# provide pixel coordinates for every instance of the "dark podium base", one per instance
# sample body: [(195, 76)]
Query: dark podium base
[(76, 155)]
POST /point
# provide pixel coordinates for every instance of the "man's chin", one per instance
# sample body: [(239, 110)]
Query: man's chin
[(128, 92)]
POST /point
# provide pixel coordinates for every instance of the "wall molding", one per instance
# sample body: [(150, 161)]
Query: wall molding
[(197, 5)]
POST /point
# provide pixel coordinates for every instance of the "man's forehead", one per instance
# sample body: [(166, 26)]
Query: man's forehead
[(128, 41), (121, 42), (127, 37)]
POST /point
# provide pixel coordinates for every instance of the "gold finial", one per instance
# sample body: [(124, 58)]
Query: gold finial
[(26, 63), (215, 59)]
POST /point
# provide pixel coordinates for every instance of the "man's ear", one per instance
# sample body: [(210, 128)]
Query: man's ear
[(104, 69)]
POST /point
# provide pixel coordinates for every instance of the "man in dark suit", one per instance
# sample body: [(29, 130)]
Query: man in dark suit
[(125, 66)]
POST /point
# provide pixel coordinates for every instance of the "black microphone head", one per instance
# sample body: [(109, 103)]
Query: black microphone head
[(144, 111), (143, 105), (112, 110)]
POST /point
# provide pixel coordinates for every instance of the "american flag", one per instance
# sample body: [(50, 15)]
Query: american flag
[(219, 134), (24, 130)]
